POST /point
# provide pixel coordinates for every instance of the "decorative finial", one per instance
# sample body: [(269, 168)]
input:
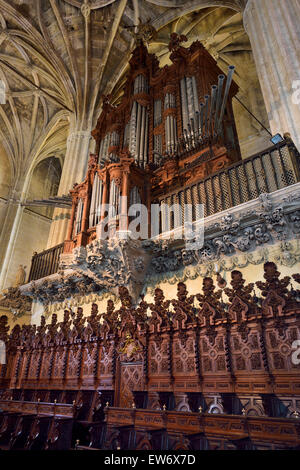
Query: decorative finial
[(200, 409), (107, 404), (296, 414), (175, 40), (243, 411), (55, 401), (164, 407), (39, 400), (133, 405)]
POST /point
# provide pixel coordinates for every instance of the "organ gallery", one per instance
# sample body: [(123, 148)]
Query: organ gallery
[(118, 331)]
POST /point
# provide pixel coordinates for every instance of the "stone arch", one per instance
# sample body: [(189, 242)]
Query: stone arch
[(188, 7), (44, 183)]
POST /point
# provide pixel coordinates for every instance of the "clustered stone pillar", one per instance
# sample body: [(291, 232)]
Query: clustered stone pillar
[(73, 172), (273, 27)]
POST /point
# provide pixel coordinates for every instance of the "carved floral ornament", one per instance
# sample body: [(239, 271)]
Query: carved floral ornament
[(17, 303), (235, 241)]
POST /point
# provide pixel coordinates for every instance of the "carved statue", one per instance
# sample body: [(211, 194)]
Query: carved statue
[(20, 276)]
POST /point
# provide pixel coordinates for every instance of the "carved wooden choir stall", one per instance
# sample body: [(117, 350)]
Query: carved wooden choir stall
[(194, 372)]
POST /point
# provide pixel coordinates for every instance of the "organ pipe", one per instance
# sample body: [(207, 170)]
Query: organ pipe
[(221, 79), (114, 198), (190, 97), (142, 136), (189, 100), (226, 92), (184, 104), (206, 97), (79, 217), (96, 201), (202, 118), (212, 104), (138, 123), (195, 95), (138, 131), (172, 134), (145, 153), (157, 112), (132, 141)]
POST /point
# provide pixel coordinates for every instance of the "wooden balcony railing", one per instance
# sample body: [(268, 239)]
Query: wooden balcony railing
[(45, 263), (265, 172)]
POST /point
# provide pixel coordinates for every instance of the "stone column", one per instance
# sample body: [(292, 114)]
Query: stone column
[(10, 230), (74, 169), (273, 27)]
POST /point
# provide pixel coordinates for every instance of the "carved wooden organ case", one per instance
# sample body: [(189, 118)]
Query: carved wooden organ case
[(173, 127)]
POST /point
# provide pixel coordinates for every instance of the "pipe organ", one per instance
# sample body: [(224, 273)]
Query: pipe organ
[(95, 208), (173, 127)]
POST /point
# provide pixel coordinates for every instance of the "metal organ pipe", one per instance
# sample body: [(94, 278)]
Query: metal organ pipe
[(138, 131), (92, 206), (202, 118), (132, 141), (190, 97), (226, 92), (145, 153), (157, 112), (195, 95), (96, 195), (142, 136), (184, 103), (175, 132), (197, 124), (206, 97), (219, 96), (96, 204), (114, 198), (212, 104), (167, 133), (78, 217), (172, 141)]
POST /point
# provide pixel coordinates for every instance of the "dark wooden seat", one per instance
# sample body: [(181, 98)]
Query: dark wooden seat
[(20, 434), (7, 427), (37, 437)]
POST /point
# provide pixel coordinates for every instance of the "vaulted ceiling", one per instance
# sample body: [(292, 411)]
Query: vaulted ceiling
[(57, 57)]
